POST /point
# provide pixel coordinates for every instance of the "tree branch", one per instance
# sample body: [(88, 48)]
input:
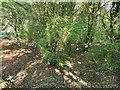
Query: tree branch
[(21, 5)]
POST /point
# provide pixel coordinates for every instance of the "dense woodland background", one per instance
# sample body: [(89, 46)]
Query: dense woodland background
[(66, 29)]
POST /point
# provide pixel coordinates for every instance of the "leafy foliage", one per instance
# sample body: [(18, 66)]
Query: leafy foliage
[(58, 29), (106, 55)]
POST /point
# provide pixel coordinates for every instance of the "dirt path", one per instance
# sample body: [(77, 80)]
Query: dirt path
[(29, 71)]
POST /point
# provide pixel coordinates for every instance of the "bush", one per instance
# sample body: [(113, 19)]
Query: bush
[(105, 54)]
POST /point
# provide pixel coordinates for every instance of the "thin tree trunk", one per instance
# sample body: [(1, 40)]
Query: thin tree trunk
[(90, 24), (111, 25)]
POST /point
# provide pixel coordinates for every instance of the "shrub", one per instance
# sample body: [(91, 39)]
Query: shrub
[(105, 54)]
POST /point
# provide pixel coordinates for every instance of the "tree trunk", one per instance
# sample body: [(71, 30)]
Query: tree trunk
[(90, 24)]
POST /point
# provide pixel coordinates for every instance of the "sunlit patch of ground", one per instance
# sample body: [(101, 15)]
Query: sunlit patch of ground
[(29, 71), (93, 78)]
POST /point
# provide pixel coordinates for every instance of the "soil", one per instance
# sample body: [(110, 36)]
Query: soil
[(27, 66)]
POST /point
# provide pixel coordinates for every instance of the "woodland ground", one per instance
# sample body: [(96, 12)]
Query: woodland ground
[(26, 65)]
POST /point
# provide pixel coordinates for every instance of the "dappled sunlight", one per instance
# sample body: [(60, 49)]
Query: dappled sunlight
[(29, 62), (4, 67), (6, 51), (11, 51), (14, 54), (7, 57), (77, 72), (21, 54), (74, 80), (79, 62), (30, 45), (15, 62), (69, 64), (20, 77), (82, 54), (36, 56), (35, 73), (40, 73), (74, 76), (65, 77), (61, 45), (26, 50), (23, 41), (28, 69), (22, 49), (83, 82), (33, 63), (6, 42), (57, 71), (46, 68)]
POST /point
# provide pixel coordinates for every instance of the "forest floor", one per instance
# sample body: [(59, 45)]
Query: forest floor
[(26, 65)]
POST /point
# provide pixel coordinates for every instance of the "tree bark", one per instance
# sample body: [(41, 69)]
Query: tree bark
[(90, 24)]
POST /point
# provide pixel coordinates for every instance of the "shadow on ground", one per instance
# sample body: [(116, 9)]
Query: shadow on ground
[(27, 67)]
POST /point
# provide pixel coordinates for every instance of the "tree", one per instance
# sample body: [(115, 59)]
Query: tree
[(13, 15)]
